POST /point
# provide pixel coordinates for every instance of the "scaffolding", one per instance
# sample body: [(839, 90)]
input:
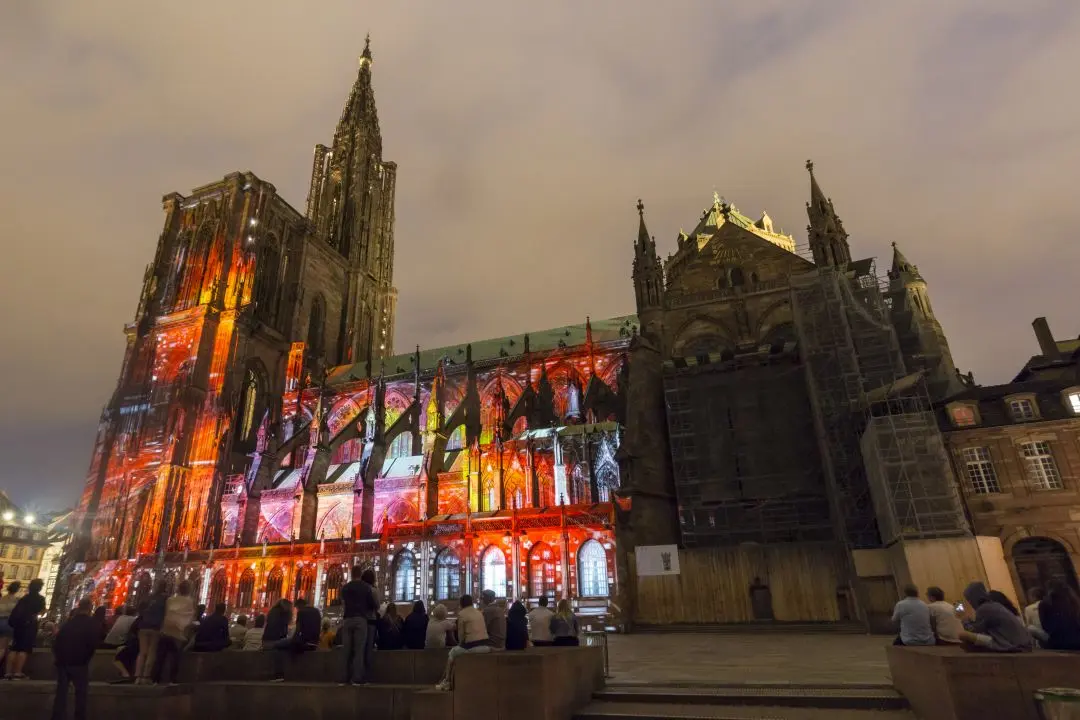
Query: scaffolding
[(743, 448), (911, 480), (885, 460), (848, 348)]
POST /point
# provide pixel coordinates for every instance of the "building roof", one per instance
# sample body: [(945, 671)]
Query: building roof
[(611, 329)]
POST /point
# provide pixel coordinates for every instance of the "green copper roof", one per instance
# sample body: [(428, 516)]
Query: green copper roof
[(566, 336)]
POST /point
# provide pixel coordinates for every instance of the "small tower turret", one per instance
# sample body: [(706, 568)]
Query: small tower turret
[(828, 241), (648, 279)]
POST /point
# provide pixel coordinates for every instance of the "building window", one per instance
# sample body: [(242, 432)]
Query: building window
[(405, 576), (245, 590), (1072, 401), (493, 572), (19, 552), (963, 416), (542, 571), (31, 554), (27, 572), (447, 576), (1041, 469), (3, 551), (1022, 409), (980, 471), (592, 570)]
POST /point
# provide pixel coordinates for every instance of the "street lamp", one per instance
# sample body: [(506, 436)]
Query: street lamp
[(8, 516), (29, 519)]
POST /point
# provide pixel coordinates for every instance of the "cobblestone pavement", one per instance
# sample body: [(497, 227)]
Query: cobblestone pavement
[(720, 658)]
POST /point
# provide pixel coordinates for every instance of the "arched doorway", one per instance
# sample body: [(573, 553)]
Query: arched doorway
[(1039, 560), (541, 571)]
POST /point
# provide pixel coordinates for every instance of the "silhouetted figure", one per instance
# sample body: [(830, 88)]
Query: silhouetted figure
[(761, 600), (72, 650), (415, 627)]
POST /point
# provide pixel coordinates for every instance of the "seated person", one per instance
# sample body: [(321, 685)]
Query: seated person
[(253, 638), (212, 634), (472, 631), (238, 631), (947, 627), (1059, 614), (913, 618), (995, 627), (121, 625)]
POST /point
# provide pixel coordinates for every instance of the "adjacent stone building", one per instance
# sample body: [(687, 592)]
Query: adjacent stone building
[(23, 541), (1016, 450)]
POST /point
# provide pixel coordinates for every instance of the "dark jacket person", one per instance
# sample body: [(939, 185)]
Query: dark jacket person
[(72, 650)]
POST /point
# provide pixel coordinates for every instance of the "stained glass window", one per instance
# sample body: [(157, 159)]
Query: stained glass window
[(405, 576), (447, 576)]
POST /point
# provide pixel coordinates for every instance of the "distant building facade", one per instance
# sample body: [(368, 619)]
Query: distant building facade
[(23, 541), (1016, 451)]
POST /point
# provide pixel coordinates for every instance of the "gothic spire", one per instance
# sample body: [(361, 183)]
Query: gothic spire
[(902, 266), (828, 241), (648, 271)]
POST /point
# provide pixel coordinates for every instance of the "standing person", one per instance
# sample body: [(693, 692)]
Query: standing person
[(74, 647), (100, 617), (360, 602), (128, 652), (7, 604), (24, 627), (150, 622), (1059, 613), (946, 626), (540, 623), (912, 617), (494, 619), (438, 628), (564, 625), (415, 627), (517, 627), (389, 629), (472, 636), (179, 616)]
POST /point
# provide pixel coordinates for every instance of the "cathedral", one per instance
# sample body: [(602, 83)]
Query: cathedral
[(264, 436)]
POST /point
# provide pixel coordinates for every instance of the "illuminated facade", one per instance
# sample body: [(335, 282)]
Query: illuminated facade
[(263, 437)]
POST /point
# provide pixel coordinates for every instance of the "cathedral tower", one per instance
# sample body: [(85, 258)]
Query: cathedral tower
[(922, 339), (351, 205), (828, 241)]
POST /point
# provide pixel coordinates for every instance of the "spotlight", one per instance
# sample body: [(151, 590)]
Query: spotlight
[(9, 516), (29, 519)]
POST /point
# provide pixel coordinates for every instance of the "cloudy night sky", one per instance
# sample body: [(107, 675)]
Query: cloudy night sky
[(524, 135)]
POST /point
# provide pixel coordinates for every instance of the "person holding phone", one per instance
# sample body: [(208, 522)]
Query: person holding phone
[(943, 620)]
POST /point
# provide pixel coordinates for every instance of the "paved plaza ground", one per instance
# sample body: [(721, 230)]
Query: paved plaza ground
[(722, 658)]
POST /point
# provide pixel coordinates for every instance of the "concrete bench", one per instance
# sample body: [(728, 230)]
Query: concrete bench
[(402, 667), (951, 683), (536, 684)]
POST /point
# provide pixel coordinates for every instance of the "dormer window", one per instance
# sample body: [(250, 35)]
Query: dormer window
[(1071, 397), (963, 415), (1022, 408)]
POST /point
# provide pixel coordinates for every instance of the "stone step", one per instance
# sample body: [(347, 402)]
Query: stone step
[(24, 699), (859, 697), (757, 628), (672, 711)]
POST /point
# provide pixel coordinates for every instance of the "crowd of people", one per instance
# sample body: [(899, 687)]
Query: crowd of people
[(149, 640), (1051, 620)]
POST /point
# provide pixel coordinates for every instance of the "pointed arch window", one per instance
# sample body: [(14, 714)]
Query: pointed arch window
[(405, 576), (493, 571), (247, 405), (592, 570), (335, 578), (245, 589), (401, 447), (447, 576), (274, 581)]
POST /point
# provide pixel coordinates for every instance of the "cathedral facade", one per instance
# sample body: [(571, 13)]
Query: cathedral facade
[(264, 436)]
